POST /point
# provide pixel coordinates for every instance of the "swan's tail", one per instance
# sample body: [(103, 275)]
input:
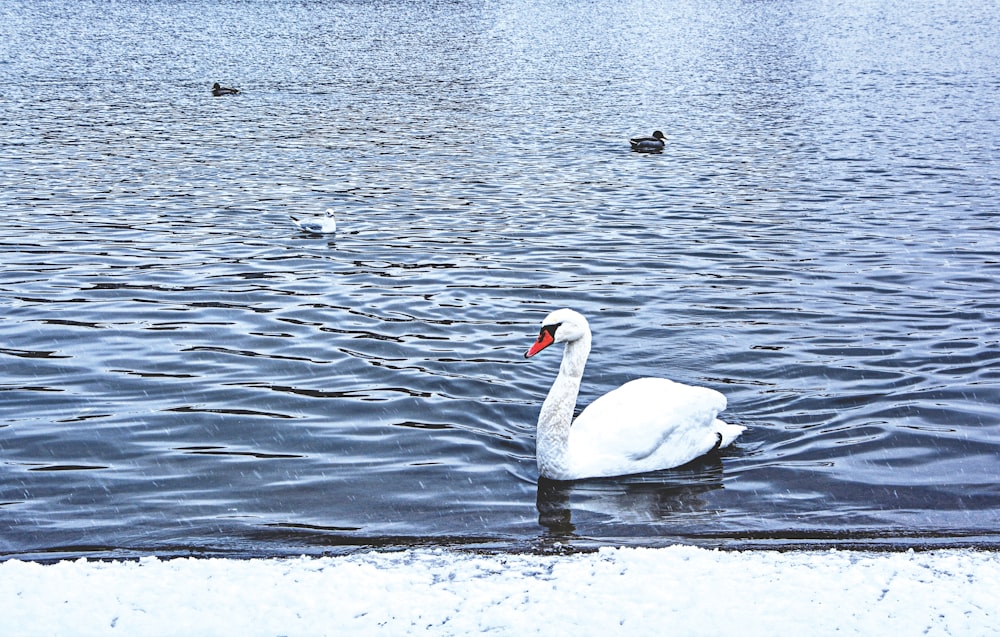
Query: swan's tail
[(728, 432)]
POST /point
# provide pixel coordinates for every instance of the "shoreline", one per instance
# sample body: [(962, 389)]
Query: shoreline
[(634, 591)]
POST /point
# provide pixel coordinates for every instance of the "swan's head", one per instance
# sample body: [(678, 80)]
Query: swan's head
[(561, 326)]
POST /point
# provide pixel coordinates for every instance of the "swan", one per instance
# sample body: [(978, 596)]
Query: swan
[(219, 91), (317, 224), (647, 424), (653, 144)]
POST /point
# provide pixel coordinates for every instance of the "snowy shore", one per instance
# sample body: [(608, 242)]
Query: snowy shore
[(679, 590)]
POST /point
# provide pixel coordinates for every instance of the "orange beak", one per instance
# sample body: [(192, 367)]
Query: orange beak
[(545, 338)]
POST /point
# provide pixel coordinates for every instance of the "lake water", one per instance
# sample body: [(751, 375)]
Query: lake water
[(183, 371)]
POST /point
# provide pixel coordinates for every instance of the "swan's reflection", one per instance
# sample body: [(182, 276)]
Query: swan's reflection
[(648, 498), (552, 503)]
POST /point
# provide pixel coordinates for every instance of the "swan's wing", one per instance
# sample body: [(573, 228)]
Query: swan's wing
[(648, 424)]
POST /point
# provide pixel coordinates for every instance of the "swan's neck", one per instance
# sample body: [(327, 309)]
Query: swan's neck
[(556, 416)]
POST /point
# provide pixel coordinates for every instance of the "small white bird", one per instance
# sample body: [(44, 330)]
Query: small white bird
[(317, 224)]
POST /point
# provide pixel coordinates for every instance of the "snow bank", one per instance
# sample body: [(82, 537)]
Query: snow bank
[(629, 591)]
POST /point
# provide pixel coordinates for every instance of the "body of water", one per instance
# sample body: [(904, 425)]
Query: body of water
[(182, 370)]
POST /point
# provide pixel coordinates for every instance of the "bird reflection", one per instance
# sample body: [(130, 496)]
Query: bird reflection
[(553, 507), (648, 498)]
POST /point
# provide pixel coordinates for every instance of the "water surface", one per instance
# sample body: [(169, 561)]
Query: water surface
[(182, 371)]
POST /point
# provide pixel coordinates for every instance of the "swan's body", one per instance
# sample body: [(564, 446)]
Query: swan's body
[(647, 424), (317, 224), (219, 91), (652, 144)]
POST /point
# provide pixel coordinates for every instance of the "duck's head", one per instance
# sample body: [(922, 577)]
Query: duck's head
[(658, 135), (561, 326), (216, 86)]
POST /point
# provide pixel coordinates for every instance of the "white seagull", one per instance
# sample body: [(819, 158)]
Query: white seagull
[(317, 224)]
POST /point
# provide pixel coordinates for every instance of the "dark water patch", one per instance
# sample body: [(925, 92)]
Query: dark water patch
[(221, 451), (68, 467)]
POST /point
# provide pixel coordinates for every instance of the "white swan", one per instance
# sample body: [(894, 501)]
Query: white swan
[(317, 224), (647, 424)]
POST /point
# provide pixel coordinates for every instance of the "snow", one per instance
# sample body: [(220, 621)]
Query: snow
[(679, 590)]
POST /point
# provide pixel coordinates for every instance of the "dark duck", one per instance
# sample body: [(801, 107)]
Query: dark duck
[(653, 144), (219, 91)]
